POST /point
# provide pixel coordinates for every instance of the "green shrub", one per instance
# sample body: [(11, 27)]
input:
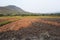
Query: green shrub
[(5, 22)]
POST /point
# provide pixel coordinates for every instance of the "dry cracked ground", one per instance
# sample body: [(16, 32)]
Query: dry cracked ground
[(31, 29)]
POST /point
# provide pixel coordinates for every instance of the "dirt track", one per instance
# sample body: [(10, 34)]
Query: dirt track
[(25, 22)]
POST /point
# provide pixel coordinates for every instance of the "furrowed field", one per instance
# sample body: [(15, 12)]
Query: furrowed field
[(8, 19), (30, 28)]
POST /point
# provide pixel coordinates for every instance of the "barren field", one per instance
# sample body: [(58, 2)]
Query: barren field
[(31, 28)]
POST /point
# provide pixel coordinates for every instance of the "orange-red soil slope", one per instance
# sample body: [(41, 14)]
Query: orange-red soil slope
[(25, 22)]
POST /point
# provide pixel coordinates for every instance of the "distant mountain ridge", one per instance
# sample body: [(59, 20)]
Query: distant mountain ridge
[(14, 10), (11, 9)]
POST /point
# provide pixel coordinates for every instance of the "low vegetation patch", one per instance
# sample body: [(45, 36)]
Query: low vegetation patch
[(8, 19), (5, 22)]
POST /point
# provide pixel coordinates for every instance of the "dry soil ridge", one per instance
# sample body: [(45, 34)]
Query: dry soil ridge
[(25, 22)]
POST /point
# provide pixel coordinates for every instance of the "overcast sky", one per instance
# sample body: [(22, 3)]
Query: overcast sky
[(34, 5)]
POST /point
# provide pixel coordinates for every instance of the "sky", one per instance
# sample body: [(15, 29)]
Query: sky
[(35, 6)]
